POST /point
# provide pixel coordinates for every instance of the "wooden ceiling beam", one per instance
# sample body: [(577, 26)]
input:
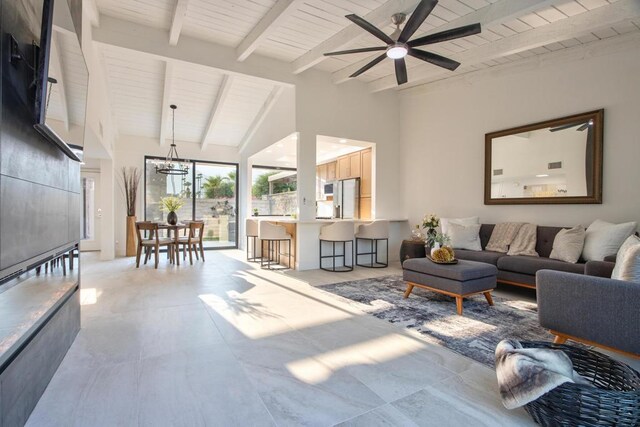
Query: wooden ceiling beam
[(274, 18), (152, 43), (261, 116), (177, 21), (214, 116)]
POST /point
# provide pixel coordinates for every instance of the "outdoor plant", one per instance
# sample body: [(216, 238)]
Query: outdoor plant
[(171, 203), (130, 182)]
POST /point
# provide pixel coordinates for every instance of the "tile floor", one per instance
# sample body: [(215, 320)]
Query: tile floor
[(223, 343)]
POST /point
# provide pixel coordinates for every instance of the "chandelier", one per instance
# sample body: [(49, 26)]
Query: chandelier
[(173, 165)]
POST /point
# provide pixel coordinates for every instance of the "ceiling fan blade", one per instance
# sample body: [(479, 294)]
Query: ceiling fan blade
[(583, 127), (369, 27), (369, 65), (443, 36), (364, 49), (435, 59), (567, 126), (401, 71), (416, 19)]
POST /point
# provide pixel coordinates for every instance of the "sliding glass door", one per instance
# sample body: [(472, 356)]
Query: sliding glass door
[(209, 193)]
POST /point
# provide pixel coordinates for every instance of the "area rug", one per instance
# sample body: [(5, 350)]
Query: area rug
[(433, 315)]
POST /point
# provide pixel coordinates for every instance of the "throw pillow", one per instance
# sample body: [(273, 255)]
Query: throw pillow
[(568, 244), (525, 241), (628, 261), (444, 222), (465, 236), (604, 238), (502, 236)]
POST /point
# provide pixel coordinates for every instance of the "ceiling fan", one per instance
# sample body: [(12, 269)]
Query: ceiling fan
[(584, 126), (398, 44)]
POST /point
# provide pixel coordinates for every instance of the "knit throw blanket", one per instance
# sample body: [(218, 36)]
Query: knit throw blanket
[(525, 374), (502, 236)]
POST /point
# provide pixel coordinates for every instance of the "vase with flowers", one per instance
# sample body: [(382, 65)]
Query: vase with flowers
[(436, 241), (171, 205), (429, 223)]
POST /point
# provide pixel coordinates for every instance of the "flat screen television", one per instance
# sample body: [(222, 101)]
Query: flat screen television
[(62, 79)]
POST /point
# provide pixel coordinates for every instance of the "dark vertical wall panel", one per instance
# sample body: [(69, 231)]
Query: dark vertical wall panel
[(40, 186), (24, 381)]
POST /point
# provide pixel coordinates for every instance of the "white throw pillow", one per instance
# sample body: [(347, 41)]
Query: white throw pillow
[(444, 222), (568, 244), (604, 239), (465, 236), (628, 261)]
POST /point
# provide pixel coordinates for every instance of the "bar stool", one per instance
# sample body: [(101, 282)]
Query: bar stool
[(272, 235), (373, 232), (251, 229), (338, 232)]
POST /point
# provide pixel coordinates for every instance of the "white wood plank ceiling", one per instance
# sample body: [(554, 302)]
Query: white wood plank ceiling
[(297, 32)]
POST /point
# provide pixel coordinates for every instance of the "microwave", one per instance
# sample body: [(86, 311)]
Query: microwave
[(328, 189)]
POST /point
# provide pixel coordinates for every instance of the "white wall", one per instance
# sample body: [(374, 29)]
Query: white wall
[(443, 128), (350, 111), (131, 150)]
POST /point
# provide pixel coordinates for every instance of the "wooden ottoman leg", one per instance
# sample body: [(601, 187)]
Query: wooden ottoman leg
[(559, 339), (408, 291), (487, 295), (459, 305)]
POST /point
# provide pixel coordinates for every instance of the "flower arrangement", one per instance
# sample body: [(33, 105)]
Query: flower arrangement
[(130, 181), (171, 204), (440, 239), (430, 221)]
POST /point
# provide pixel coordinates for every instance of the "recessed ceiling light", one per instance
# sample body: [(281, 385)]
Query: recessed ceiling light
[(542, 175), (343, 141), (280, 145), (269, 151)]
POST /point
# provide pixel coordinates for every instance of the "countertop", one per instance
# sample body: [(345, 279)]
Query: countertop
[(289, 220)]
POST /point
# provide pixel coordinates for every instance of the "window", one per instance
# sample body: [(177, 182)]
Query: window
[(208, 192), (273, 191)]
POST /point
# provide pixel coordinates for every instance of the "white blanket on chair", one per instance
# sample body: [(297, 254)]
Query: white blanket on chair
[(525, 374)]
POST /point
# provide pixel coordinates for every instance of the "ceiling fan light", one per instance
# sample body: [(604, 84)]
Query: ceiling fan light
[(397, 51)]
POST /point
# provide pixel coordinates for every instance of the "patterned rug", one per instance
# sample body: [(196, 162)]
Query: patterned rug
[(475, 334)]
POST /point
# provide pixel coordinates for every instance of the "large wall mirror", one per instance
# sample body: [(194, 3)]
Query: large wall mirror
[(552, 162)]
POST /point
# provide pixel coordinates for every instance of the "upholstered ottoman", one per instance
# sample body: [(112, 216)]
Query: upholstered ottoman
[(456, 280)]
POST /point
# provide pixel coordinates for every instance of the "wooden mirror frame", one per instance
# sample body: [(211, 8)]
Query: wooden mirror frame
[(595, 198)]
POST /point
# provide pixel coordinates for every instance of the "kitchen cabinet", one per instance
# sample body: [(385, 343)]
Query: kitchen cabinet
[(365, 175), (344, 167), (354, 165), (331, 171)]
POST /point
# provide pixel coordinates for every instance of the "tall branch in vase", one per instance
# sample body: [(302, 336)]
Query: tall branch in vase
[(130, 183)]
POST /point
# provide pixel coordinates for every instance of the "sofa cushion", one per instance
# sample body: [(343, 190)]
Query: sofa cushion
[(544, 240), (530, 265), (479, 256)]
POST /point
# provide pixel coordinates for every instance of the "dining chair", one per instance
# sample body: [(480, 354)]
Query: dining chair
[(153, 242), (193, 241)]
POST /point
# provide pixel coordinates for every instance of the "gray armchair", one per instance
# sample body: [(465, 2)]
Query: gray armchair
[(594, 310)]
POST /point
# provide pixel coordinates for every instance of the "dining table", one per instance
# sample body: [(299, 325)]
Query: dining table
[(175, 229)]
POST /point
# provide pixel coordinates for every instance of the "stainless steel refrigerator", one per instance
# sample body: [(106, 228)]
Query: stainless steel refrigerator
[(346, 199)]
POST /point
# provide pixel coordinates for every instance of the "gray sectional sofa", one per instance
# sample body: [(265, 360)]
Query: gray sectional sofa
[(521, 270)]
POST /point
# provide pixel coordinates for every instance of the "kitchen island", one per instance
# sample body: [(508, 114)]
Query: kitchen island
[(306, 234)]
